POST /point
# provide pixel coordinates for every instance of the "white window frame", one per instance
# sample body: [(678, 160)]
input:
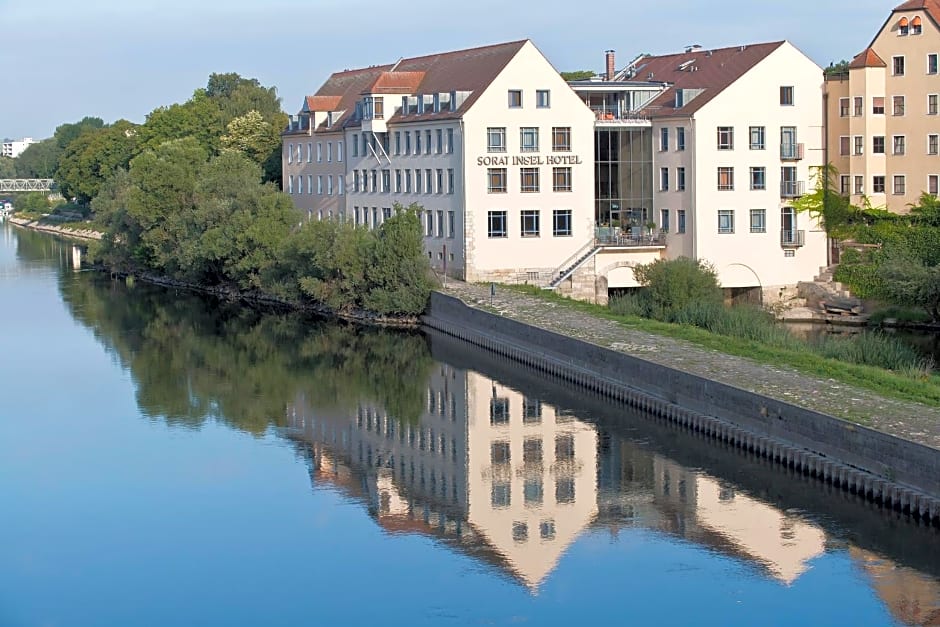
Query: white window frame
[(726, 216), (502, 216)]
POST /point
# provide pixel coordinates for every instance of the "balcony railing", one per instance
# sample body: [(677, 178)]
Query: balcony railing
[(791, 152), (606, 114), (791, 189), (614, 236), (792, 239)]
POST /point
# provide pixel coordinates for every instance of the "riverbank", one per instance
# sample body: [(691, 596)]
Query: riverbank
[(58, 229), (908, 419)]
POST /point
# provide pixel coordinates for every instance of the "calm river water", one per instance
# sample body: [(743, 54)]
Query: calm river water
[(169, 460)]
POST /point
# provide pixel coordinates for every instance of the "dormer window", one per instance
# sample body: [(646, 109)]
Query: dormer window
[(916, 26), (373, 108), (904, 27)]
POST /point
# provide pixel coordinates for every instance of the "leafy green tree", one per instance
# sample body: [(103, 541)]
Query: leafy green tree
[(672, 284), (578, 75), (199, 118), (7, 168), (65, 134), (32, 202), (905, 282), (251, 136), (399, 274), (93, 157), (39, 160)]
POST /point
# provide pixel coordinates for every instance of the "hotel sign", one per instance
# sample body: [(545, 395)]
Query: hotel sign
[(530, 160)]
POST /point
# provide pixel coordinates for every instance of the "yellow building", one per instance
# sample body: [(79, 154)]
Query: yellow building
[(883, 131)]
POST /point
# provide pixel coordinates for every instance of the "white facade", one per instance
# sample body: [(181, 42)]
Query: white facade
[(14, 148)]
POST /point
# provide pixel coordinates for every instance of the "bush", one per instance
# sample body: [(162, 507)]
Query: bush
[(672, 284), (873, 349)]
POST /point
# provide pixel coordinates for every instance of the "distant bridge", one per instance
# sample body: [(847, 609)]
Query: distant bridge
[(26, 185)]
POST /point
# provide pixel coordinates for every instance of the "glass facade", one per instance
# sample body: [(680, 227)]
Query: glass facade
[(624, 175)]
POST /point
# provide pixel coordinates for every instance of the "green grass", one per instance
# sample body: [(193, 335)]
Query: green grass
[(913, 385)]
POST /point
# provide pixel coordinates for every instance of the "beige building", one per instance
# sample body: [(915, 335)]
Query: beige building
[(883, 131), (490, 142)]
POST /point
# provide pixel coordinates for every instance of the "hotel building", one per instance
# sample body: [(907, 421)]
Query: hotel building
[(490, 142), (524, 178), (883, 130)]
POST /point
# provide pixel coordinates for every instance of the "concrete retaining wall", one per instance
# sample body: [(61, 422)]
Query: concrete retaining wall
[(897, 473)]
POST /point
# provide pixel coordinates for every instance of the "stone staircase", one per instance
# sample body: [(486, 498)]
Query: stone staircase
[(827, 295)]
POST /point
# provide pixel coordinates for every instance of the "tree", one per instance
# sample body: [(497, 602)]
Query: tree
[(39, 160), (93, 157), (65, 134), (32, 202), (399, 274), (199, 118), (578, 75), (908, 283), (251, 136), (7, 168), (672, 284)]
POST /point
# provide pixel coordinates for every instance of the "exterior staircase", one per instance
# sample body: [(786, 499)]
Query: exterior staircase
[(822, 293), (574, 262)]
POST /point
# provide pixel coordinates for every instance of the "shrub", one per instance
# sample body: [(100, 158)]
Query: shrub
[(672, 284)]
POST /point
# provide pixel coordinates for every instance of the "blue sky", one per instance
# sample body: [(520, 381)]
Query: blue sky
[(63, 59)]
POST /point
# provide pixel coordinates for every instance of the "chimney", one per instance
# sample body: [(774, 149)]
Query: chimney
[(611, 69)]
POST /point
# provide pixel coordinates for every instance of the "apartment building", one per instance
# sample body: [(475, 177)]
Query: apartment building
[(701, 154), (490, 142), (883, 130), (13, 148)]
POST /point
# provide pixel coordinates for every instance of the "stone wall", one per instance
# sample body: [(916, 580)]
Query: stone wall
[(895, 472)]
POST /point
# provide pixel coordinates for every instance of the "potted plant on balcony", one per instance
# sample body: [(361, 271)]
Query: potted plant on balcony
[(650, 226)]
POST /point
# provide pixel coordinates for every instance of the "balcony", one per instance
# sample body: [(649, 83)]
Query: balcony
[(791, 152), (629, 238), (792, 239), (617, 117), (791, 189)]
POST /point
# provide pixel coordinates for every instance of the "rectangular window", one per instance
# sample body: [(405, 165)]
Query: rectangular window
[(375, 182), (878, 184), (899, 184), (680, 138), (931, 104), (397, 142), (859, 145), (757, 138), (758, 178), (356, 181), (407, 175), (309, 183), (515, 98), (496, 139), (561, 138), (543, 99), (451, 224), (932, 182), (428, 182), (680, 221), (319, 152), (329, 185), (758, 220), (386, 181), (725, 138), (417, 142), (529, 180), (496, 224), (561, 222), (844, 145), (339, 151), (340, 184), (663, 179), (427, 142), (320, 184), (290, 153), (355, 145), (933, 143), (844, 184), (725, 178), (407, 142), (897, 103), (859, 105), (786, 95), (859, 184), (878, 105), (897, 145), (726, 220), (439, 136), (300, 183), (440, 181), (844, 107), (529, 139), (561, 179), (664, 220), (450, 141), (664, 139), (530, 223), (932, 63), (878, 144), (450, 181), (397, 181), (496, 180), (897, 65), (329, 152), (429, 224), (418, 180), (680, 179), (440, 224), (309, 153)]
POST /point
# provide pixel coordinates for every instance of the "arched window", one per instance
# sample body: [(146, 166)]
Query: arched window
[(903, 26), (916, 26)]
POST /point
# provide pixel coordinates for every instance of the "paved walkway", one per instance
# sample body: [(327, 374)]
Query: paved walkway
[(913, 421)]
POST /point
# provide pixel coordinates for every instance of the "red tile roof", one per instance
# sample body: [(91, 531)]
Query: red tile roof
[(322, 103), (714, 70), (932, 7), (867, 58), (470, 70)]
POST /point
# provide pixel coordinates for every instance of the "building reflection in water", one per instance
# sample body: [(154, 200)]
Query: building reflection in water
[(510, 479)]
